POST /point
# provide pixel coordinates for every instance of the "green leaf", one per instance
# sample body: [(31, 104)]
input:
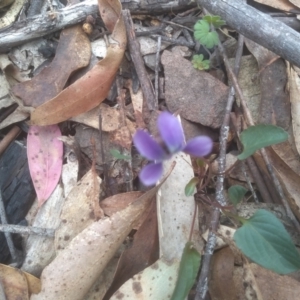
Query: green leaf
[(203, 34), (190, 187), (216, 21), (236, 194), (259, 136), (118, 155), (264, 239), (199, 63), (189, 266)]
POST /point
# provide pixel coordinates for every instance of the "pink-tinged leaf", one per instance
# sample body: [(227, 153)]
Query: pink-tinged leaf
[(45, 158)]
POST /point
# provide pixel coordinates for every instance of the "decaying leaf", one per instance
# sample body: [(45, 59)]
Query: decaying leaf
[(284, 5), (294, 87), (45, 158), (118, 202), (175, 215), (249, 83), (91, 89), (289, 180), (269, 285), (221, 284), (109, 115), (14, 283), (73, 52), (155, 282), (40, 250), (144, 252), (275, 105), (77, 267), (79, 210)]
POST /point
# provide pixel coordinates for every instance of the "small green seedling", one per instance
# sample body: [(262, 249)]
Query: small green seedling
[(118, 155), (205, 33), (200, 63)]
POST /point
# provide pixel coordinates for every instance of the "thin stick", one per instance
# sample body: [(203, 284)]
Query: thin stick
[(157, 70), (23, 230), (134, 49), (8, 236), (202, 285)]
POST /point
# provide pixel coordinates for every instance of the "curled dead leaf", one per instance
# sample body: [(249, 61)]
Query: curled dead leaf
[(91, 89)]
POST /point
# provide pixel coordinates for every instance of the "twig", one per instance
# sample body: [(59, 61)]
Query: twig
[(11, 246), (249, 182), (9, 137), (134, 48), (259, 181), (157, 70), (175, 41), (202, 285), (27, 230), (44, 24)]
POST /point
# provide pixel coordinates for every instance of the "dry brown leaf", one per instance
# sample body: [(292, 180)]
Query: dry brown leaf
[(78, 210), (137, 103), (221, 284), (295, 2), (279, 4), (144, 252), (289, 179), (197, 95), (269, 285), (110, 118), (91, 89), (14, 283), (73, 52), (118, 202), (294, 88), (34, 283), (249, 83), (275, 105), (76, 268)]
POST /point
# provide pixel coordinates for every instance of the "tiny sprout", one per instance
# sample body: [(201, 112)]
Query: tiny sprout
[(199, 63)]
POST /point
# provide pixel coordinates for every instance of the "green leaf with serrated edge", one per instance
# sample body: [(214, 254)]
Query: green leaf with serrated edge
[(259, 136), (264, 240), (203, 34), (118, 155), (189, 266), (216, 21), (190, 187), (236, 194)]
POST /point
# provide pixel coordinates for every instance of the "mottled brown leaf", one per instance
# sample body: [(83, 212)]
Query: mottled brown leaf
[(73, 52), (275, 105), (91, 89), (144, 252)]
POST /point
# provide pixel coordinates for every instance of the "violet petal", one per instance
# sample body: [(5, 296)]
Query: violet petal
[(147, 146), (199, 146), (151, 173), (171, 131)]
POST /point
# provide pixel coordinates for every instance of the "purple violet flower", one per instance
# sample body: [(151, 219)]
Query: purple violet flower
[(172, 135)]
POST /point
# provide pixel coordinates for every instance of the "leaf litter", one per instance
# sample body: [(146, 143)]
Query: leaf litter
[(88, 235)]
